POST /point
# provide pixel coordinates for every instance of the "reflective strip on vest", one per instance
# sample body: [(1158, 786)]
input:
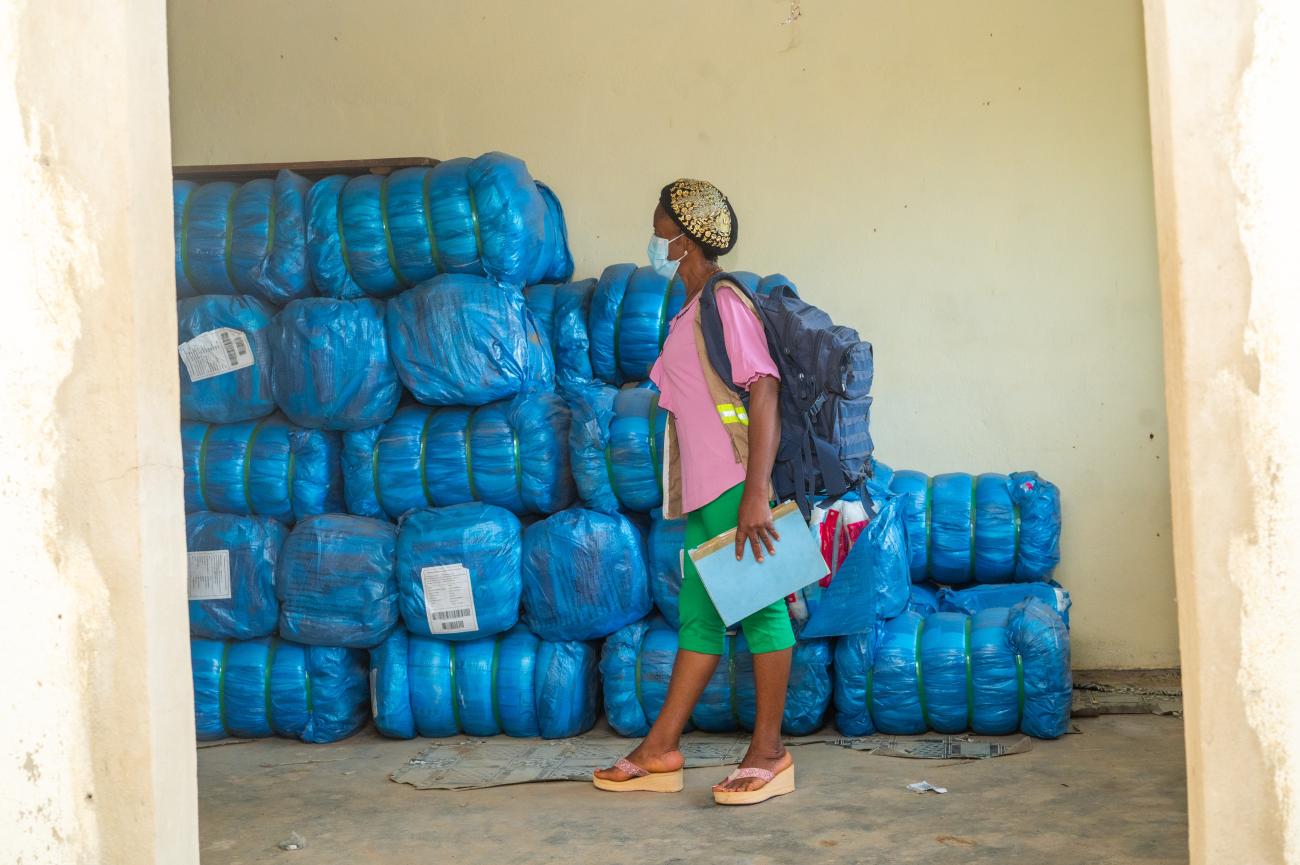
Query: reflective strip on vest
[(731, 413)]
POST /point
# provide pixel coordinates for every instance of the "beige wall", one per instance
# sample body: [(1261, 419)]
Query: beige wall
[(968, 184), (96, 730), (1222, 79)]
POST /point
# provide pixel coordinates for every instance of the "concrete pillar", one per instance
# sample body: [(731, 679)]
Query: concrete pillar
[(96, 721), (1223, 84)]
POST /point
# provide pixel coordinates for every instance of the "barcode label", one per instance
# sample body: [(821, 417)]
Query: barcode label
[(448, 598), (216, 352), (209, 575)]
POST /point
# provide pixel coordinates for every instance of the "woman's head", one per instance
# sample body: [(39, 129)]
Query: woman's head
[(694, 214)]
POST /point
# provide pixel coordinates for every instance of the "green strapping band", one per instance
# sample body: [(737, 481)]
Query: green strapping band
[(306, 675), (970, 681), (288, 481), (929, 506), (871, 676), (920, 682), (266, 681), (1020, 690), (496, 707), (270, 224), (455, 698), (230, 236), (248, 459), (185, 237), (519, 469), (618, 322), (424, 475), (221, 686), (731, 678), (609, 470), (469, 453), (428, 224), (388, 237), (974, 481), (343, 240), (203, 466), (473, 216), (651, 417), (374, 473), (663, 313), (637, 674)]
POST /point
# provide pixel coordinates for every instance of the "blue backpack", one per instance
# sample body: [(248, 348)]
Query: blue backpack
[(826, 372)]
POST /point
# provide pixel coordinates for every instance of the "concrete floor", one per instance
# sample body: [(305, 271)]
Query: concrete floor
[(1114, 794)]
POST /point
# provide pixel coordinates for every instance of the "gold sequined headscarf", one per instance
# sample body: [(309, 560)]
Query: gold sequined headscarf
[(701, 210)]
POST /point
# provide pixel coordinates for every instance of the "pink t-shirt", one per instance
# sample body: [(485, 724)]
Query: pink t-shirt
[(708, 462)]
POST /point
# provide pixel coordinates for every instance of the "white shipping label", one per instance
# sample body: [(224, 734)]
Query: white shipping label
[(216, 352), (209, 575), (448, 599)]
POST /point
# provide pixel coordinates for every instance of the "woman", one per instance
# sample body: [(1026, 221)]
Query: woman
[(719, 467)]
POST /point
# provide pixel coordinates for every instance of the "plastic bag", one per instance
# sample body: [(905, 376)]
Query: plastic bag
[(483, 216), (249, 239), (616, 443), (584, 575), (236, 600), (332, 366), (219, 333), (636, 665), (997, 671), (268, 468), (461, 340), (975, 598), (257, 688), (512, 454), (1011, 524), (336, 582), (560, 312), (512, 683), (665, 551), (466, 559)]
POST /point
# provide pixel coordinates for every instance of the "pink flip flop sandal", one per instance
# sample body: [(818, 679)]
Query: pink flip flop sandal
[(774, 785), (641, 779)]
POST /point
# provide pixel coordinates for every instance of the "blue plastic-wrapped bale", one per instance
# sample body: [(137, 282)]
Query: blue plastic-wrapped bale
[(636, 665), (336, 582), (628, 322), (462, 340), (225, 360), (511, 683), (267, 467), (584, 575), (560, 312), (458, 571), (513, 454), (231, 564), (924, 598), (616, 442), (555, 264), (483, 216), (181, 190), (871, 583), (997, 671), (988, 528), (332, 366), (249, 239), (973, 599), (267, 686), (664, 547)]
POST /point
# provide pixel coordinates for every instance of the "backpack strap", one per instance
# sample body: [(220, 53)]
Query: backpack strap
[(711, 327)]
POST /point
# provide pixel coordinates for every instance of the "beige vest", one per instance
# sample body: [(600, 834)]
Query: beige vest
[(730, 411)]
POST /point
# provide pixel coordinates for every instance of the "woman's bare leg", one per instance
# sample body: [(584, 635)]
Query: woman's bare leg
[(766, 748), (658, 750)]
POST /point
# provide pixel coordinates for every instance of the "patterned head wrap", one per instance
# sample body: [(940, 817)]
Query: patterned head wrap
[(701, 211)]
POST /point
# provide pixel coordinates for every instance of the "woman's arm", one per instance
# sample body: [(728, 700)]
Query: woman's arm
[(754, 521)]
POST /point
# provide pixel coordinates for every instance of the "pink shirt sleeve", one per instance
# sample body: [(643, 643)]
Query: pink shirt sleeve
[(746, 341)]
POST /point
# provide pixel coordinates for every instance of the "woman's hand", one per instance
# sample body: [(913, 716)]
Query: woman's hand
[(754, 525)]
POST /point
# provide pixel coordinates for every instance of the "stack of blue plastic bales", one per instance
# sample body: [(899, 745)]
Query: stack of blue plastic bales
[(369, 409)]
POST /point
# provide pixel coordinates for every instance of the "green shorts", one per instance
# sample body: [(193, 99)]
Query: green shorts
[(767, 630)]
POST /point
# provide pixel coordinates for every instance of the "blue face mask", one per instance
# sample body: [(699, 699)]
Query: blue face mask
[(657, 251)]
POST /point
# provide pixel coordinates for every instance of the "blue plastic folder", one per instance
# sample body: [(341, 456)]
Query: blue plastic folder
[(738, 588)]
